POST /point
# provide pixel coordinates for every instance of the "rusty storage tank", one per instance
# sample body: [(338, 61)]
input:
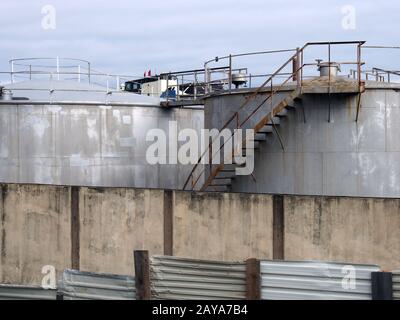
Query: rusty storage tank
[(323, 144), (72, 132)]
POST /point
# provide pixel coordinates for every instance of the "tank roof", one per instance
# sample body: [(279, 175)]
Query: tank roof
[(72, 91)]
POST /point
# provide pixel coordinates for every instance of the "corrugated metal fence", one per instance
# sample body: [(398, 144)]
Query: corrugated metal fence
[(16, 292), (315, 280), (78, 285), (396, 285), (179, 278)]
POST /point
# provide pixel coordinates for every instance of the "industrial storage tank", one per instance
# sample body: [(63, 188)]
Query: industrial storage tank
[(341, 157), (335, 134), (58, 130)]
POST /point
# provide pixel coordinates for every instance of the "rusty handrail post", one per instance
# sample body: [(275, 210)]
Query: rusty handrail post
[(205, 78), (301, 68), (271, 93), (296, 70), (359, 66), (329, 82), (329, 68), (230, 73)]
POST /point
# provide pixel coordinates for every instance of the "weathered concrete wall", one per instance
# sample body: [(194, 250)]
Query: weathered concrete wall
[(358, 230), (35, 231), (222, 226), (97, 229), (116, 221)]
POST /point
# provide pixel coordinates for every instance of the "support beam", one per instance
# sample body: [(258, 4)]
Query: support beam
[(75, 228), (382, 286), (168, 222), (142, 274), (278, 228), (253, 279)]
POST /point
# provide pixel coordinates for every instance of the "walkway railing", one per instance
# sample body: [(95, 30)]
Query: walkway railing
[(58, 68)]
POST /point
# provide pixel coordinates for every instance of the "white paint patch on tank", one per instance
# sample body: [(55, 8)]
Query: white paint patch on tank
[(116, 114), (394, 180), (54, 109), (127, 142), (366, 166), (38, 124), (381, 104), (4, 139), (126, 119), (92, 128), (358, 134), (77, 161), (43, 174), (79, 112)]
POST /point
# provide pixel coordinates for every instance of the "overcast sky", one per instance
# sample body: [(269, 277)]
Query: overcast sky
[(131, 36)]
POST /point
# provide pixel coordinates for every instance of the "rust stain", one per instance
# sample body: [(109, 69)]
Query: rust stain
[(4, 189)]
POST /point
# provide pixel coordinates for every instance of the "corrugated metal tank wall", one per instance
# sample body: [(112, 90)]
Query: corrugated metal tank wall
[(88, 145), (341, 158)]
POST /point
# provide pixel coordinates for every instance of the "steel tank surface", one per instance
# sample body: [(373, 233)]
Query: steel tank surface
[(91, 145), (339, 158)]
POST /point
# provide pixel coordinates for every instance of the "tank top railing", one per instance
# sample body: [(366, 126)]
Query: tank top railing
[(54, 69)]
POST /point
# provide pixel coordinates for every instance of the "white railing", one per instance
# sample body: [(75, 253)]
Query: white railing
[(58, 68)]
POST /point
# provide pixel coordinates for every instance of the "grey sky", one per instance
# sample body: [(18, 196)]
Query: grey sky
[(132, 36)]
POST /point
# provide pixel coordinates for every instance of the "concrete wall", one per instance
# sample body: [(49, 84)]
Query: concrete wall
[(222, 226), (113, 222), (358, 230), (97, 229), (35, 231)]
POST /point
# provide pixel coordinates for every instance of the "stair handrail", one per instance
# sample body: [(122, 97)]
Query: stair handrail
[(236, 113)]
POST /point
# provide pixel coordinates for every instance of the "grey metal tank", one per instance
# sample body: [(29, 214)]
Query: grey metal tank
[(71, 133), (340, 157)]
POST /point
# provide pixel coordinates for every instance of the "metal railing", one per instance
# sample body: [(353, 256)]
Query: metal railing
[(230, 69), (297, 63), (58, 68), (56, 63), (377, 74), (215, 79), (190, 86)]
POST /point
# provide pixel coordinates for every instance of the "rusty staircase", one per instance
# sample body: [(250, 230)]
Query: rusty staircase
[(220, 176)]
